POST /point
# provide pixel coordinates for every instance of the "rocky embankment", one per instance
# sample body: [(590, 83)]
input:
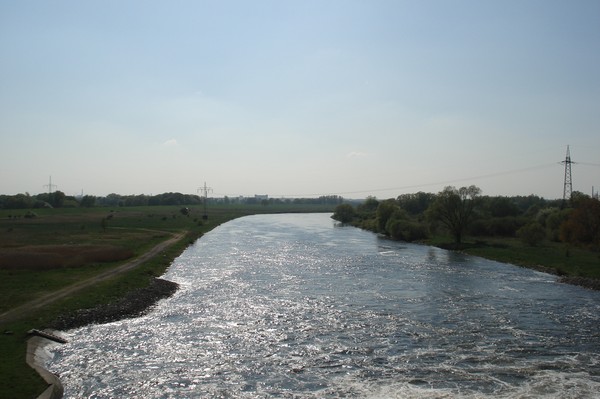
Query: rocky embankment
[(586, 282), (591, 283), (134, 304)]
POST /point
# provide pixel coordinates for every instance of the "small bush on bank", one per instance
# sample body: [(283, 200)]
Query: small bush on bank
[(532, 234), (406, 230)]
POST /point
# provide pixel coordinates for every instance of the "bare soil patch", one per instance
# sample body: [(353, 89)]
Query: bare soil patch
[(44, 257)]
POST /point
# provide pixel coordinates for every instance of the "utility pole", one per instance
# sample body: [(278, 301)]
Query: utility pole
[(568, 187), (50, 186), (205, 190)]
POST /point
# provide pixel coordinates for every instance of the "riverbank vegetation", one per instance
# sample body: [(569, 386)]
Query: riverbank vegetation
[(557, 237), (59, 247)]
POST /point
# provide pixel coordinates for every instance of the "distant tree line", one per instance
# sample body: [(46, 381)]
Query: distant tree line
[(322, 200), (114, 200), (58, 199), (460, 212)]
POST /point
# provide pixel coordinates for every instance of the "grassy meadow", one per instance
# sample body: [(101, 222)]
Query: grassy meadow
[(552, 257)]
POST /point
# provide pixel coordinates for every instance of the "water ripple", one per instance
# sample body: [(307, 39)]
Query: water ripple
[(290, 306)]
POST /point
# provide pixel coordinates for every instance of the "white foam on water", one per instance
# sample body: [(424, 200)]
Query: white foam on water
[(543, 385)]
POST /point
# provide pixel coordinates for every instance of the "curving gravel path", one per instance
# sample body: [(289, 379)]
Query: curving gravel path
[(44, 300)]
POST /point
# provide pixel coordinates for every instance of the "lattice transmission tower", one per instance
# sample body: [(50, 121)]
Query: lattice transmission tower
[(568, 187), (205, 190), (50, 187)]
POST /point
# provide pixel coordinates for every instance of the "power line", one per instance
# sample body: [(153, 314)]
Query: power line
[(446, 182), (413, 186)]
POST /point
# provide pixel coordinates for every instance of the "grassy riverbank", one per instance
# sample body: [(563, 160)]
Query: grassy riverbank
[(551, 257), (47, 244)]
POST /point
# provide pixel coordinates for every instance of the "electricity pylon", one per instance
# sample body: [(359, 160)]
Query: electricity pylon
[(50, 186), (568, 188), (205, 190)]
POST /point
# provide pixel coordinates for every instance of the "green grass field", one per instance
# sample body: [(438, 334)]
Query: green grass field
[(554, 257)]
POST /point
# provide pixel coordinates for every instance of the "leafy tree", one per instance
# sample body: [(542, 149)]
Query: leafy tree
[(384, 212), (530, 204), (552, 219), (344, 213), (415, 204), (88, 201), (454, 209), (400, 226), (57, 199), (112, 199), (365, 213), (370, 205), (502, 207), (583, 224), (136, 200), (330, 199), (577, 197), (19, 201), (70, 202)]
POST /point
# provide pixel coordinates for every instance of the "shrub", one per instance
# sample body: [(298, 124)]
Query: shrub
[(532, 233), (406, 230), (582, 227), (30, 215), (343, 213), (553, 222)]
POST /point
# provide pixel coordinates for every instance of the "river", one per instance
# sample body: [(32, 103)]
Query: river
[(295, 306)]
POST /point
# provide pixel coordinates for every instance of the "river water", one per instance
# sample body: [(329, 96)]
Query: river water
[(293, 306)]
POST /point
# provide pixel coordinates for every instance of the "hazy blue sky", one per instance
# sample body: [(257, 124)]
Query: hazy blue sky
[(299, 98)]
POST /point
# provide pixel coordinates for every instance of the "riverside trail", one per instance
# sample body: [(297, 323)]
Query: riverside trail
[(54, 296)]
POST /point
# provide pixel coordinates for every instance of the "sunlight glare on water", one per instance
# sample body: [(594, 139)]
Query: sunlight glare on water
[(294, 306)]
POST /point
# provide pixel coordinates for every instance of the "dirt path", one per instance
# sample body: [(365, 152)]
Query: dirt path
[(66, 291)]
